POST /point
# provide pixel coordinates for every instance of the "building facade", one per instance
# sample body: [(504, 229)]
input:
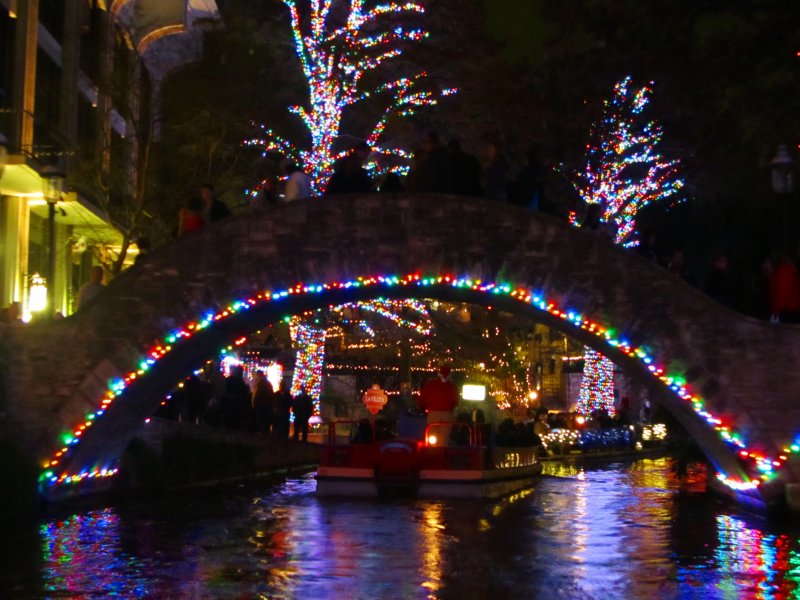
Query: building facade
[(80, 86)]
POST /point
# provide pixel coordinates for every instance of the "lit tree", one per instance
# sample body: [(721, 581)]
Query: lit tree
[(623, 171), (623, 174), (340, 43)]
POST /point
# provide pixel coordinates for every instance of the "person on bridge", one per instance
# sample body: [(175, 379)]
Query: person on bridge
[(463, 171), (495, 174), (784, 291), (213, 209), (298, 184), (190, 217), (92, 287), (350, 176), (439, 398)]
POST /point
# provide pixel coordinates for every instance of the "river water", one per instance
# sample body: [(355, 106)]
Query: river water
[(624, 530)]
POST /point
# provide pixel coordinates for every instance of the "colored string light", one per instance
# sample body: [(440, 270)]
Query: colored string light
[(391, 309), (760, 462), (336, 61)]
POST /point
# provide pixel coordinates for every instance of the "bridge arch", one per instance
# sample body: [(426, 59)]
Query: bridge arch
[(676, 340)]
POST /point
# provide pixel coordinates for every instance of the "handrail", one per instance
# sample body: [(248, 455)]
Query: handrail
[(473, 436), (332, 428)]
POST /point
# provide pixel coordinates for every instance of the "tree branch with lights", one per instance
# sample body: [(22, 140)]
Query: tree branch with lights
[(341, 44)]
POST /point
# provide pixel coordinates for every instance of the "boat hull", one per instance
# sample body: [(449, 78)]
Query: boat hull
[(490, 483), (432, 473)]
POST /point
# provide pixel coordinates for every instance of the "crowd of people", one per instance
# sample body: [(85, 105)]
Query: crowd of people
[(439, 168), (200, 210), (771, 293), (233, 403)]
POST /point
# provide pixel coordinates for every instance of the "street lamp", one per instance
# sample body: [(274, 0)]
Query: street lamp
[(53, 184)]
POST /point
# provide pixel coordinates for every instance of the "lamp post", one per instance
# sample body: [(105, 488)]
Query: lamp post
[(783, 186), (53, 179)]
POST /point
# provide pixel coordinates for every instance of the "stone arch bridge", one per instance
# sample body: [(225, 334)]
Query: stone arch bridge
[(732, 381)]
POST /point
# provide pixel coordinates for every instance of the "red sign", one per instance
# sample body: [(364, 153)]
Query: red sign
[(374, 399)]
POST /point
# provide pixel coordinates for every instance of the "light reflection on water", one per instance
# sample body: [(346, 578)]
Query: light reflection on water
[(620, 531)]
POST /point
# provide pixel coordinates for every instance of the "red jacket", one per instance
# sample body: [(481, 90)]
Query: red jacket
[(438, 395), (784, 289)]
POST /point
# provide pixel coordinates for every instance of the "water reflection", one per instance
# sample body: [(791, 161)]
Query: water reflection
[(620, 531)]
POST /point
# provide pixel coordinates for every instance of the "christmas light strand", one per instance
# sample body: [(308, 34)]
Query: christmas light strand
[(763, 464), (390, 309)]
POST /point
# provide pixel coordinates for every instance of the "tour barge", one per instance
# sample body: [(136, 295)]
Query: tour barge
[(373, 467), (616, 442)]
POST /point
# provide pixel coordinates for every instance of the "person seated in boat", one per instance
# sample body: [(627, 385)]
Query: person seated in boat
[(521, 435), (483, 430), (646, 413), (624, 412), (383, 431), (506, 433), (524, 436), (604, 419), (438, 398), (363, 434), (460, 434), (411, 424), (541, 426), (593, 421)]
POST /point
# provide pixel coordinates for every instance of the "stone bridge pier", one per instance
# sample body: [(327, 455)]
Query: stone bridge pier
[(732, 381)]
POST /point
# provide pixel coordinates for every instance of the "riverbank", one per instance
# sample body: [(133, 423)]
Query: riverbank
[(166, 456)]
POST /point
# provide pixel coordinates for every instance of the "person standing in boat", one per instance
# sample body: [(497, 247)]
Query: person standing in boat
[(438, 398)]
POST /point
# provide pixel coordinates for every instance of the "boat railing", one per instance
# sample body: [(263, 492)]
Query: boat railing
[(474, 434), (360, 423)]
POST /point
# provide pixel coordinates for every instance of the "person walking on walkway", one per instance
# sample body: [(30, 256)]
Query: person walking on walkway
[(283, 408), (263, 403), (303, 408)]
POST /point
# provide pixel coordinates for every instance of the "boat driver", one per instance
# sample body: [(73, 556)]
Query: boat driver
[(438, 398)]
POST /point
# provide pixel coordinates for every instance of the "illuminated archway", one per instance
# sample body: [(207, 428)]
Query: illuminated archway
[(93, 448)]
